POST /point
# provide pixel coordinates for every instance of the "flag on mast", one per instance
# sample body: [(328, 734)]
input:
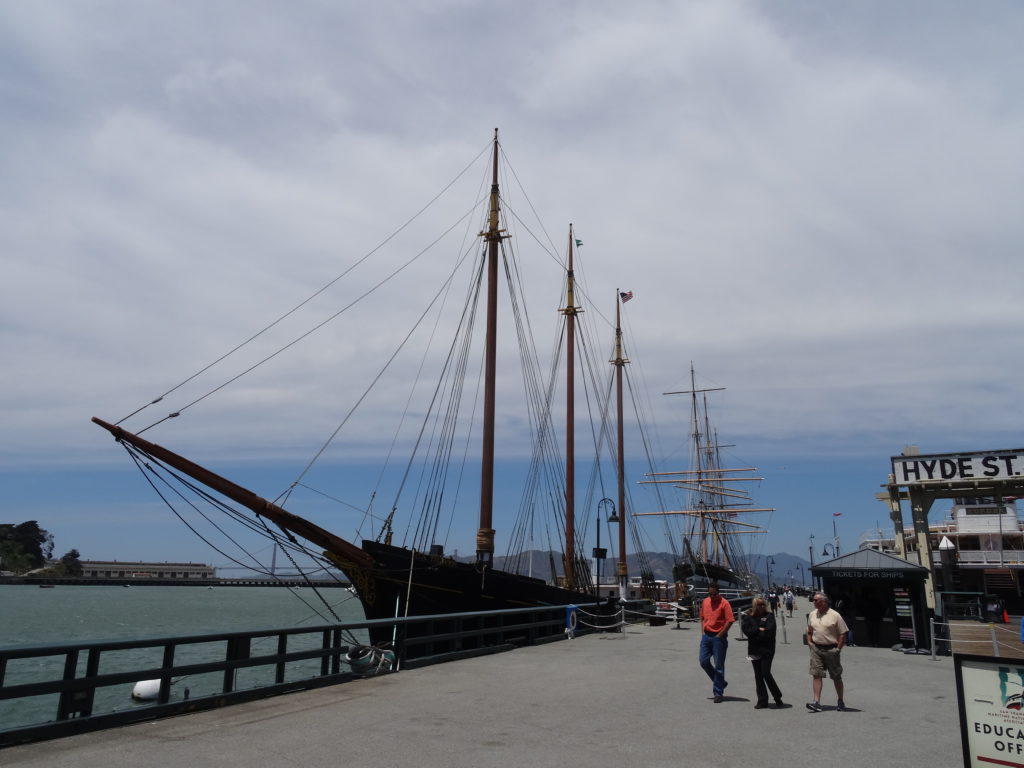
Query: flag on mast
[(625, 296)]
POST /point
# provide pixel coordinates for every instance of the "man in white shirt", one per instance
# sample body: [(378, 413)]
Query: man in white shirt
[(826, 635)]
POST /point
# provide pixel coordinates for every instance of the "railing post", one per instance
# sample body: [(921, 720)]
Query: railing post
[(282, 649), (336, 647), (165, 679), (72, 702), (325, 645), (238, 648), (995, 644), (931, 629)]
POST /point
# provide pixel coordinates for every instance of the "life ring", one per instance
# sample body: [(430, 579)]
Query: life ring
[(571, 620)]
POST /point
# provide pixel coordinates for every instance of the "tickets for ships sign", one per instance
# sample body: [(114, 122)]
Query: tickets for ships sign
[(990, 693)]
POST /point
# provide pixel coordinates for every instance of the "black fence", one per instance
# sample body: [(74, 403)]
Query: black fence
[(48, 691)]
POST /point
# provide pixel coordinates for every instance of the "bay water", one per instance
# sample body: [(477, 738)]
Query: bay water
[(30, 615)]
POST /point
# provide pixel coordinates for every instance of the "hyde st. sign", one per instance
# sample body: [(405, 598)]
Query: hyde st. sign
[(958, 467)]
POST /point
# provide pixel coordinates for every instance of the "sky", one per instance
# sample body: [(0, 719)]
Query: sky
[(815, 203)]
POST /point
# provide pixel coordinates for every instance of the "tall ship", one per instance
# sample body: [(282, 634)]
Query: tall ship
[(396, 573), (715, 524)]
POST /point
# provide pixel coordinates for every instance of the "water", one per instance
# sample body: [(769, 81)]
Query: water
[(66, 614)]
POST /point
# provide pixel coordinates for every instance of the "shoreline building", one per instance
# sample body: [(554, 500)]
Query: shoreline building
[(118, 569)]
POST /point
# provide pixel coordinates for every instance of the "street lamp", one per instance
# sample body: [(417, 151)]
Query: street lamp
[(600, 553), (768, 570), (829, 550), (800, 568), (810, 549), (835, 536)]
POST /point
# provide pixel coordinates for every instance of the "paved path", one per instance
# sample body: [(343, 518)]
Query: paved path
[(635, 698)]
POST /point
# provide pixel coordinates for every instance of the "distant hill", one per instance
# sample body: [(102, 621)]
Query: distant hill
[(784, 570)]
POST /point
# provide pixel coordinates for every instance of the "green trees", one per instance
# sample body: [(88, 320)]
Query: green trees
[(69, 564), (24, 547), (27, 547)]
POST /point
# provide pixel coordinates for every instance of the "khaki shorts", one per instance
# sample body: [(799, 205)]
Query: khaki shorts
[(825, 660)]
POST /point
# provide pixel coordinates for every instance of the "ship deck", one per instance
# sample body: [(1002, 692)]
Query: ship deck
[(631, 698)]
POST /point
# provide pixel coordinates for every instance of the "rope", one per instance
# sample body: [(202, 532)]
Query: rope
[(149, 471), (305, 301)]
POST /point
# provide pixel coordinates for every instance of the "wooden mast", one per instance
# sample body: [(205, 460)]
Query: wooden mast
[(493, 237), (336, 546), (570, 311), (620, 362)]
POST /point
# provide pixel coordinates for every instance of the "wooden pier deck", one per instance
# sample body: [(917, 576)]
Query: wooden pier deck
[(632, 698)]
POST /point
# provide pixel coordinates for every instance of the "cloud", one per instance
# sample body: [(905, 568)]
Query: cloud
[(818, 206)]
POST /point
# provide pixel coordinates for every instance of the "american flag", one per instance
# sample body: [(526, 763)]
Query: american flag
[(625, 296)]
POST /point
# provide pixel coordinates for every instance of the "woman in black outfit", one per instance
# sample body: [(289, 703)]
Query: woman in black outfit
[(759, 627)]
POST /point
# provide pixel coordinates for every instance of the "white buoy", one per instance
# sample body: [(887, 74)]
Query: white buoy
[(145, 690)]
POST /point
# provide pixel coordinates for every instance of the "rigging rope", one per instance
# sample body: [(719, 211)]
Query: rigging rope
[(149, 469), (373, 289), (312, 296)]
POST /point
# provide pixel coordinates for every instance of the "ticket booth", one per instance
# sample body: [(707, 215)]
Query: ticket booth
[(881, 597)]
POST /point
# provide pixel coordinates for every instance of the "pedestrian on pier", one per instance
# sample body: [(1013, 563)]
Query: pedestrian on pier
[(760, 628), (826, 635), (716, 617)]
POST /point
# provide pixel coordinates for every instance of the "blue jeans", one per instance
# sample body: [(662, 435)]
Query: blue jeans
[(714, 646)]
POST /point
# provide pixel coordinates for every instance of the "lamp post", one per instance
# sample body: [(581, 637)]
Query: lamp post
[(768, 570), (810, 551), (835, 536), (800, 568), (601, 553), (828, 551)]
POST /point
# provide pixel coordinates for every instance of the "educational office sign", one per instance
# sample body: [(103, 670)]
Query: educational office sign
[(989, 692), (954, 467)]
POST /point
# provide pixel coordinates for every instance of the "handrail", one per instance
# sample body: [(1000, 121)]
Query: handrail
[(89, 680)]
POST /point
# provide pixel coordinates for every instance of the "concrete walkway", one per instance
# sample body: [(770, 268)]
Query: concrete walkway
[(635, 698)]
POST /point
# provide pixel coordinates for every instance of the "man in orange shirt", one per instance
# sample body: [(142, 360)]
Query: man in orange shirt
[(715, 619)]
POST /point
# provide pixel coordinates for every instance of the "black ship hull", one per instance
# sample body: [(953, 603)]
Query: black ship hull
[(405, 583), (725, 576)]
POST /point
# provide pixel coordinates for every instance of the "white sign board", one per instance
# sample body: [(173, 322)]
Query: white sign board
[(953, 467), (991, 693)]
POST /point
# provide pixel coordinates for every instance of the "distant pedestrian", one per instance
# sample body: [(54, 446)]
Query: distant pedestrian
[(789, 598), (759, 627), (826, 635), (773, 600), (715, 618)]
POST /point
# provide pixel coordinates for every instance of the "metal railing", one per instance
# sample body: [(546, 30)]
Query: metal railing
[(85, 686), (1002, 639)]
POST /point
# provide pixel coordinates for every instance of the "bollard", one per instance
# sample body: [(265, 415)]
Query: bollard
[(995, 644), (931, 624), (784, 640)]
